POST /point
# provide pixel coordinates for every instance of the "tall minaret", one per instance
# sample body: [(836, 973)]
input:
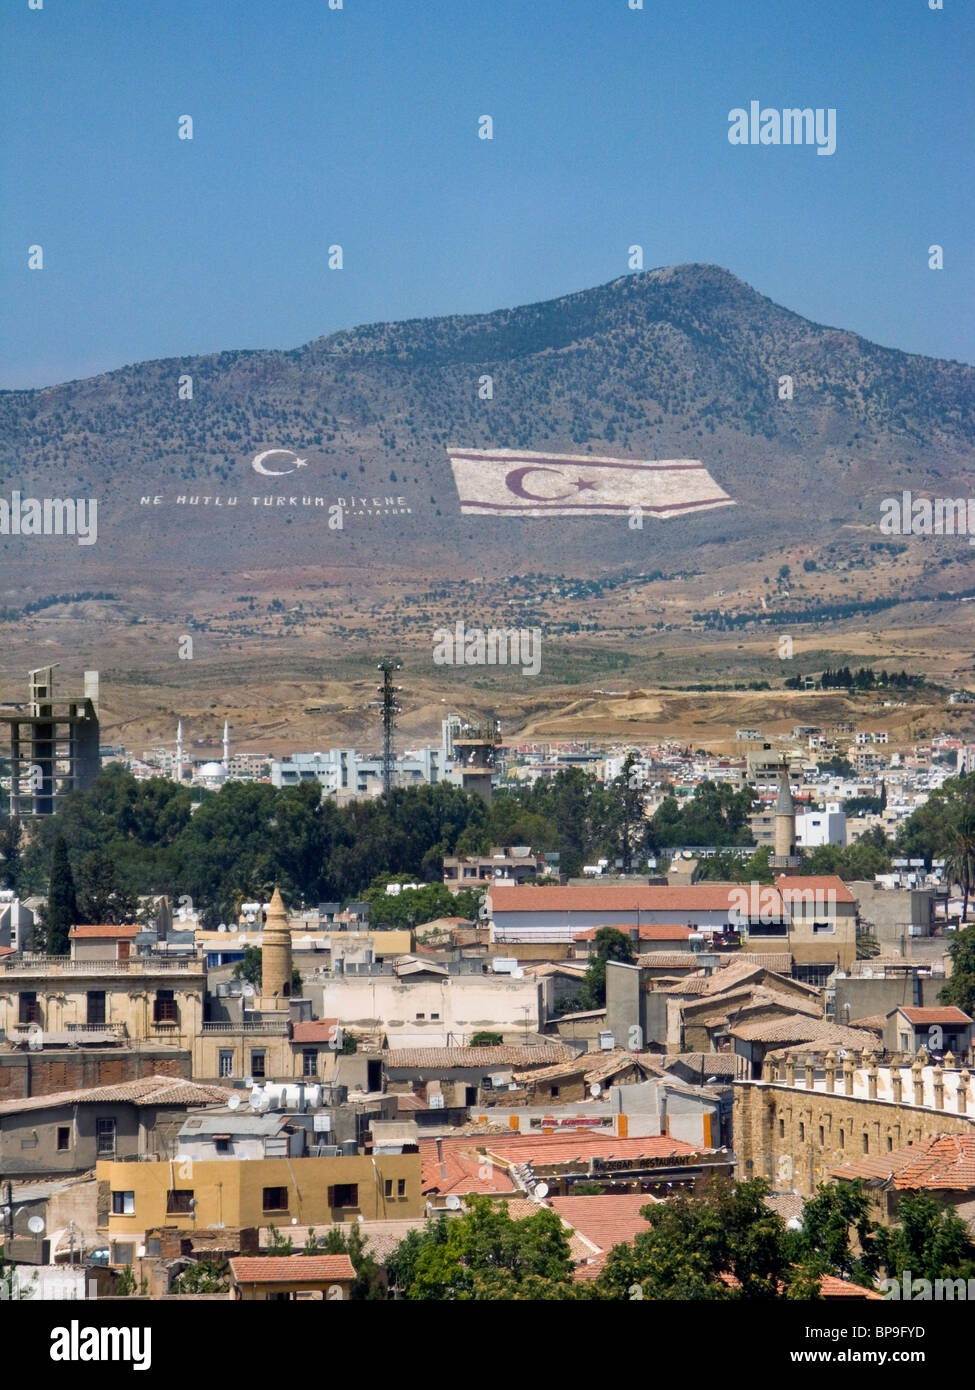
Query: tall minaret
[(226, 747), (276, 963), (179, 751), (785, 856)]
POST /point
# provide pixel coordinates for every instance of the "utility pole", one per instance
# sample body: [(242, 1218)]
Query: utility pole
[(390, 709)]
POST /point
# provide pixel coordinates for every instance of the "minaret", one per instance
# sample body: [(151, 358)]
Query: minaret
[(785, 856), (276, 964), (179, 751), (226, 747)]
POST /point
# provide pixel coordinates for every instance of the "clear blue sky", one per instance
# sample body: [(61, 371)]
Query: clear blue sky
[(359, 126)]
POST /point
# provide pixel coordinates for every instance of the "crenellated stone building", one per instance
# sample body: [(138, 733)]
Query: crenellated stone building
[(812, 1112)]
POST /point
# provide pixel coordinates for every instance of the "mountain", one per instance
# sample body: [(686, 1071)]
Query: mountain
[(680, 362)]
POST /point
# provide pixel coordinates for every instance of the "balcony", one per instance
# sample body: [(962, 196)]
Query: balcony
[(229, 1030), (64, 965)]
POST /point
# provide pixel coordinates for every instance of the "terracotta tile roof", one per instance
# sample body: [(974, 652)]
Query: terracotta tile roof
[(604, 1221), (689, 985), (615, 897), (150, 1090), (831, 1287), (594, 1066), (410, 1102), (454, 1165), (874, 1023), (779, 961), (434, 1058), (943, 1015), (712, 1063), (320, 1030), (92, 933), (566, 1148), (794, 885), (788, 1205), (648, 931), (668, 960), (946, 1163), (797, 1028), (290, 1269)]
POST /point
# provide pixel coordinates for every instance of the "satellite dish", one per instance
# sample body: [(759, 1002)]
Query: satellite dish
[(541, 1190), (35, 1225), (294, 1221), (248, 991), (453, 1202), (222, 926), (233, 1103), (595, 1089)]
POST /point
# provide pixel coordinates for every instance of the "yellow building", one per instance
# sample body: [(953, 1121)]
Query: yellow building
[(147, 998), (137, 1197)]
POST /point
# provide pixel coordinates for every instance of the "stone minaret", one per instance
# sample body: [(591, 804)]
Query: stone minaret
[(785, 856), (226, 746), (276, 966), (179, 751)]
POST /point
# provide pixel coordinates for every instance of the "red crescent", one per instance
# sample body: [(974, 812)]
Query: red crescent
[(518, 487)]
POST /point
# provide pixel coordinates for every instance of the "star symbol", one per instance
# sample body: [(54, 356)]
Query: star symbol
[(584, 486), (301, 463)]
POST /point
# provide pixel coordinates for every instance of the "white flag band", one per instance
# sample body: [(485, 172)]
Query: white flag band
[(511, 482)]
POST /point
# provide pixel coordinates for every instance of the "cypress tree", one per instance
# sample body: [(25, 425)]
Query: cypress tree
[(62, 906)]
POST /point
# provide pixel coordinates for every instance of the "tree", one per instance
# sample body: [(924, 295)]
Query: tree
[(101, 895), (959, 988), (717, 1242), (279, 1244), (368, 1284), (628, 812), (930, 1241), (127, 1286), (486, 1255), (10, 838), (830, 1222), (959, 852), (609, 944), (485, 1039), (61, 912), (203, 1276)]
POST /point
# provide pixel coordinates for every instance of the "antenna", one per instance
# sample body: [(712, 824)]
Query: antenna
[(390, 708)]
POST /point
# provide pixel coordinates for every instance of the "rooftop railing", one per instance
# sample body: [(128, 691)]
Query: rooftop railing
[(137, 965)]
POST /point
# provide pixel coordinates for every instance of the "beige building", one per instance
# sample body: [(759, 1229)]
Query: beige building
[(812, 1112), (148, 998)]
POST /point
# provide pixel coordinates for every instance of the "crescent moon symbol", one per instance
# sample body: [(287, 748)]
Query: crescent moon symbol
[(258, 463), (515, 481)]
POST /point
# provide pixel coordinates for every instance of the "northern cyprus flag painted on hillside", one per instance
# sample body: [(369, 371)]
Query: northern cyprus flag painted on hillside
[(511, 482)]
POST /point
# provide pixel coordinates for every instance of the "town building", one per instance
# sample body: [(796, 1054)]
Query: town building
[(69, 1131), (289, 1278), (812, 1112), (135, 1197)]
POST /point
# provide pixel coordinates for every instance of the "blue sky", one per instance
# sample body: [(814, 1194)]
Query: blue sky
[(358, 126)]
